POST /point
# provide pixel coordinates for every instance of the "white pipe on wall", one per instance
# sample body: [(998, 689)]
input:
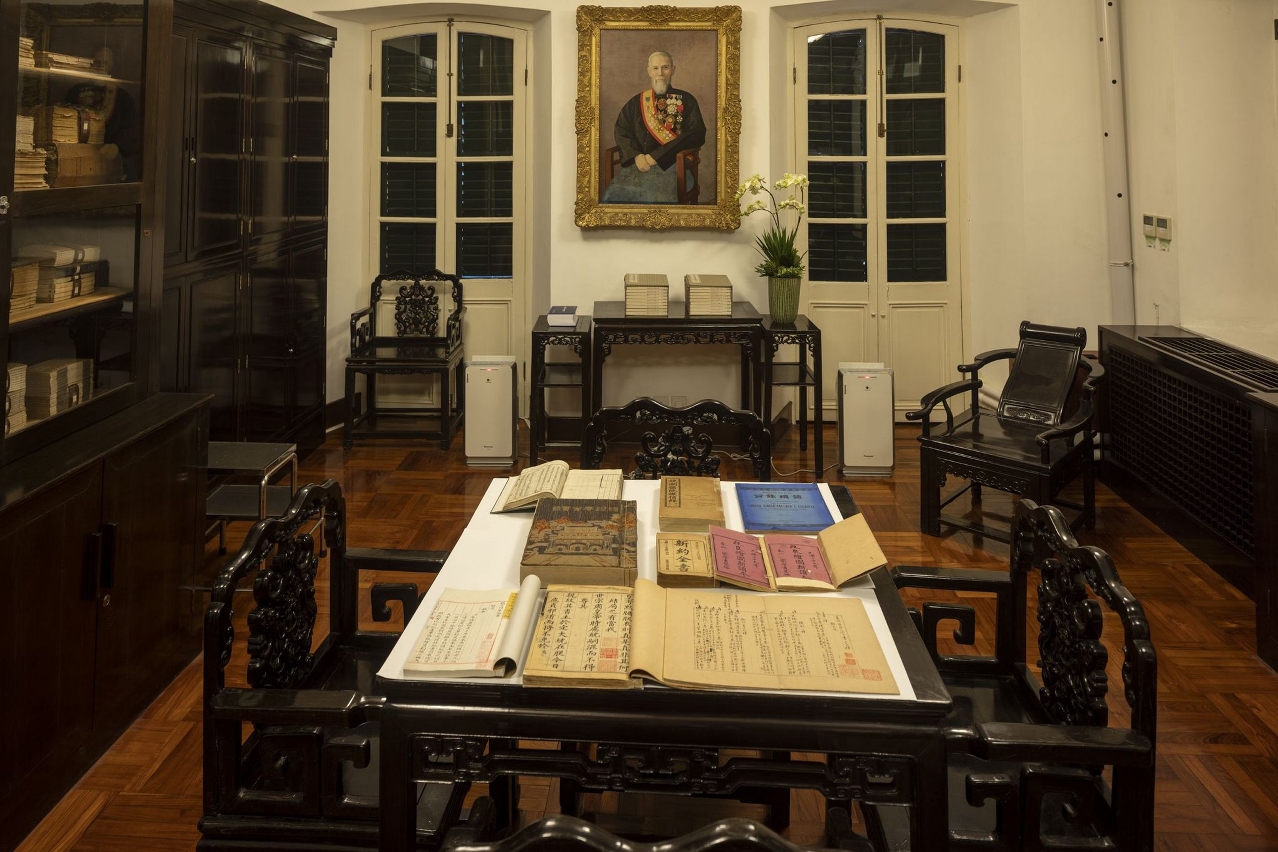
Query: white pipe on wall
[(1122, 284)]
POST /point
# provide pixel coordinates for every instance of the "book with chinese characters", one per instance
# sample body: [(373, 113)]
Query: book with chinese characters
[(684, 561), (562, 316), (705, 639), (689, 503), (556, 479), (773, 562), (475, 633), (584, 542), (782, 507)]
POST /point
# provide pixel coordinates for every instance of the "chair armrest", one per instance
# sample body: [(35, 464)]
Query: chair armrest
[(941, 395), (986, 358), (951, 579), (1080, 421), (337, 708), (1078, 744), (361, 327), (382, 559)]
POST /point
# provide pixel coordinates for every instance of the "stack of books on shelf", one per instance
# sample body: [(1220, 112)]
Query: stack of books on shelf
[(708, 295), (63, 61), (24, 278), (74, 164), (28, 163), (26, 52), (15, 399), (60, 123), (55, 385), (64, 271), (647, 294)]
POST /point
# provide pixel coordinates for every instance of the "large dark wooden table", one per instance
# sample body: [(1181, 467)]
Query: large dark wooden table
[(744, 329), (877, 750)]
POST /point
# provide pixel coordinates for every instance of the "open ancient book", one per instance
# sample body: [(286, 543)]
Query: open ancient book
[(774, 562), (475, 633), (613, 636), (556, 479)]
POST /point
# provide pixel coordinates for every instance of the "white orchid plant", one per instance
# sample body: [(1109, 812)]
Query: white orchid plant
[(780, 257)]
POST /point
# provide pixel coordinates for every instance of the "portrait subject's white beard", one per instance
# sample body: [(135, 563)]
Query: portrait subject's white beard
[(661, 86)]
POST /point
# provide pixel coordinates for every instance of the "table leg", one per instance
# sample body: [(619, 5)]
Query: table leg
[(350, 409), (767, 386), (746, 403), (596, 371), (536, 399), (803, 397), (818, 433), (587, 410), (930, 817), (445, 410), (398, 800), (756, 370)]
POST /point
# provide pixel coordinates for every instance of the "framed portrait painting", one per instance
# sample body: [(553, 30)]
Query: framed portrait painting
[(658, 116)]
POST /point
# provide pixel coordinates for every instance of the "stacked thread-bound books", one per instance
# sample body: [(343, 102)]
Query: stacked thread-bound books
[(24, 277), (28, 163), (708, 295), (65, 271), (63, 61), (26, 52), (58, 384), (15, 398), (647, 294), (60, 123), (74, 164)]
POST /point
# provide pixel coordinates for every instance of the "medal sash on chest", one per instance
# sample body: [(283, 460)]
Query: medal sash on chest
[(662, 115)]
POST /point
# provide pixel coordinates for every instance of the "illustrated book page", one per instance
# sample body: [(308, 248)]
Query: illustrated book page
[(582, 638), (582, 542), (782, 507), (475, 632), (556, 479)]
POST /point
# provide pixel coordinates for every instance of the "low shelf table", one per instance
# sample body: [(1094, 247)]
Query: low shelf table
[(803, 373), (557, 374), (234, 501)]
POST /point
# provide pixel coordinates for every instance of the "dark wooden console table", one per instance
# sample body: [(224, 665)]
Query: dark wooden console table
[(557, 374), (799, 373), (744, 329)]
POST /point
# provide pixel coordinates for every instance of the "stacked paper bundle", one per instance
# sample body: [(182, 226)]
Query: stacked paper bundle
[(28, 163), (49, 254), (57, 384), (24, 276), (708, 295), (15, 402), (26, 52), (63, 61), (64, 282), (647, 294), (62, 123)]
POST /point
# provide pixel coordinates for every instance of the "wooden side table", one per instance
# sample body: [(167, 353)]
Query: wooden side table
[(804, 334), (557, 374)]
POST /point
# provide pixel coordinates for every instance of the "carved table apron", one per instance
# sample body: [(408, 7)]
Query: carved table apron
[(744, 329)]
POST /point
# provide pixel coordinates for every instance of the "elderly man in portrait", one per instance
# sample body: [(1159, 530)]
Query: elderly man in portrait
[(652, 129)]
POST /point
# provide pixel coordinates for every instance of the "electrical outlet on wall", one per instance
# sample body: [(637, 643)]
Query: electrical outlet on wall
[(663, 400), (679, 401)]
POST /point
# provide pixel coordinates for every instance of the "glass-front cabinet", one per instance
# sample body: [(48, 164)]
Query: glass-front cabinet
[(77, 215)]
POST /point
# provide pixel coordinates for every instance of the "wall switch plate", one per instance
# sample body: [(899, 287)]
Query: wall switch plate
[(1150, 232), (1162, 226)]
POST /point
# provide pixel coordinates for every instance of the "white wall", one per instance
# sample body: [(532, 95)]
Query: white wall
[(1204, 151), (1034, 236)]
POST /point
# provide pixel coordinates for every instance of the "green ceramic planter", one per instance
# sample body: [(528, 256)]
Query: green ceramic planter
[(783, 298)]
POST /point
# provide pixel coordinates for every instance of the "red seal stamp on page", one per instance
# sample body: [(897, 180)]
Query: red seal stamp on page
[(871, 674), (608, 657)]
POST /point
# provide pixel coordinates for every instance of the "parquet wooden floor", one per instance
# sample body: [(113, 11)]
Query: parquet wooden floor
[(1217, 783)]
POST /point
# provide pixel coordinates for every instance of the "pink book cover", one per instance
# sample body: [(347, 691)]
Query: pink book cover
[(797, 557), (738, 558)]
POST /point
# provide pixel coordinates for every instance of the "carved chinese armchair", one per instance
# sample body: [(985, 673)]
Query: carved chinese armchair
[(672, 440), (1038, 440), (414, 346), (1036, 759), (306, 775)]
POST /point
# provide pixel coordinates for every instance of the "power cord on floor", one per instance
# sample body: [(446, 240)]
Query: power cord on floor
[(804, 470)]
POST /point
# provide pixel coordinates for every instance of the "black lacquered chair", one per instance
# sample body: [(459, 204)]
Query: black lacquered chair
[(1038, 440), (673, 441), (414, 346), (306, 777), (1028, 757)]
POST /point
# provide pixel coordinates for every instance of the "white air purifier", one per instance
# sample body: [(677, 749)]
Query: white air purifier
[(866, 403), (492, 407)]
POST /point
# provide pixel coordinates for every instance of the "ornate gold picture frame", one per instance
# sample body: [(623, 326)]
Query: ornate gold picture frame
[(658, 116)]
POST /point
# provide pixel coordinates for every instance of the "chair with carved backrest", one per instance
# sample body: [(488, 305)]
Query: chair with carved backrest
[(306, 776), (681, 448), (1027, 758), (1038, 440), (687, 182), (415, 347)]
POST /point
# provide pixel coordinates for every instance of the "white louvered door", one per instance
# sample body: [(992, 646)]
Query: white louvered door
[(876, 131)]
